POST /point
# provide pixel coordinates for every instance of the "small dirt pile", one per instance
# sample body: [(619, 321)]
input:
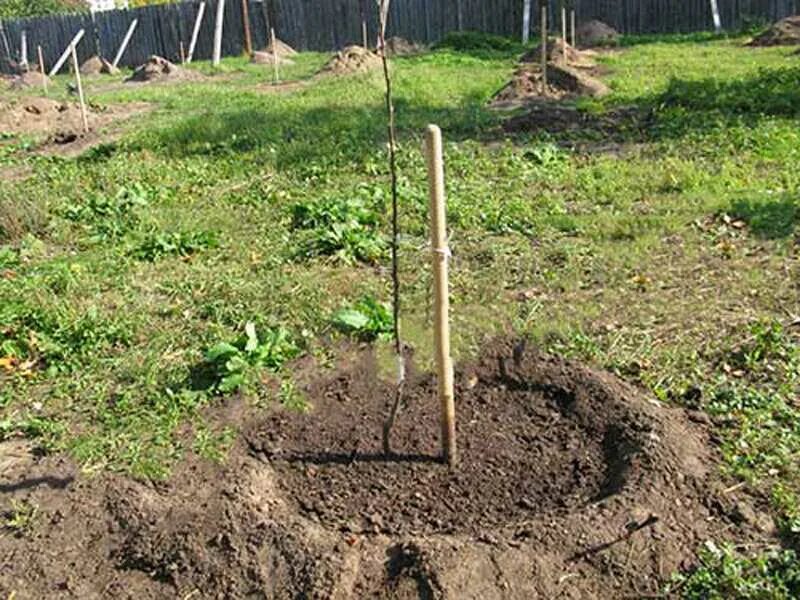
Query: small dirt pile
[(353, 59), (160, 69), (28, 80), (555, 53), (785, 32), (98, 66), (283, 49), (268, 58), (594, 34), (564, 470), (397, 46), (527, 85), (40, 115)]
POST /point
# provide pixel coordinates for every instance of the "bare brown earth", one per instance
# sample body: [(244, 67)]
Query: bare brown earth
[(572, 484), (563, 82), (593, 34), (58, 126), (160, 69), (268, 58), (98, 66), (785, 32), (397, 46), (353, 59), (28, 79), (283, 49), (555, 50)]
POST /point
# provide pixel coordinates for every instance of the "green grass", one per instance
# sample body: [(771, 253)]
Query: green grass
[(234, 203)]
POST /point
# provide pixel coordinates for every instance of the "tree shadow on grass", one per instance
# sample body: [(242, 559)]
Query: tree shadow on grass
[(772, 219)]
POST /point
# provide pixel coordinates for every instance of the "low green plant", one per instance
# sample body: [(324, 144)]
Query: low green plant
[(723, 574), (179, 243), (108, 218), (21, 517), (236, 364), (367, 319), (213, 445), (344, 228), (479, 43)]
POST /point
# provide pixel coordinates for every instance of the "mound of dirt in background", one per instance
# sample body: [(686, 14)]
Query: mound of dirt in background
[(160, 69), (555, 53), (98, 66), (564, 471), (40, 115), (283, 49), (785, 32), (27, 80), (593, 34), (527, 85), (352, 59), (267, 58), (397, 46)]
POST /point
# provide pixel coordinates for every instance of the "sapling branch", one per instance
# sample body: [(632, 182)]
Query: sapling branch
[(383, 15)]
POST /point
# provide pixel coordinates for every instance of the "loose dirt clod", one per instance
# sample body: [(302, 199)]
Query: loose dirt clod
[(267, 58), (352, 59), (564, 470), (593, 34), (562, 82), (785, 32), (27, 80), (397, 46), (160, 69), (98, 66)]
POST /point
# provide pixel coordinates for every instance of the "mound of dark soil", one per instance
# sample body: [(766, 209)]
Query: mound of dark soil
[(564, 471), (785, 32), (98, 66), (160, 69), (397, 46), (267, 58), (527, 85), (353, 59), (28, 79), (593, 34), (40, 115), (555, 53)]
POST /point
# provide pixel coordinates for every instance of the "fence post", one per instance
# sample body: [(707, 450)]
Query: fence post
[(543, 30), (526, 21), (248, 39), (60, 62), (41, 69), (218, 32), (715, 14), (125, 42), (196, 31), (23, 59), (77, 67)]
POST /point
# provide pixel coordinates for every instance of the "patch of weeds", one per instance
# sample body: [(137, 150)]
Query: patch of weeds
[(213, 445), (483, 45), (45, 430), (21, 517), (768, 351), (366, 320), (9, 258), (236, 365), (723, 574), (787, 504), (291, 397), (183, 244), (109, 218), (347, 229)]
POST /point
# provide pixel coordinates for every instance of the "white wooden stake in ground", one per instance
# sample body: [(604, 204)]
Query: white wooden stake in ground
[(572, 29), (717, 19), (564, 35), (526, 21), (276, 75), (24, 49), (218, 32), (543, 30), (41, 69), (60, 62), (80, 88), (441, 323), (125, 41), (364, 39), (196, 31)]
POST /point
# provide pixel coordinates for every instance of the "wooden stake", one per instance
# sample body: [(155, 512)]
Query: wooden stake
[(63, 58), (276, 75), (364, 39), (248, 40), (77, 68), (218, 33), (526, 21), (572, 28), (543, 30), (196, 31), (564, 35), (183, 53), (716, 17), (41, 69), (441, 325), (23, 60), (125, 41)]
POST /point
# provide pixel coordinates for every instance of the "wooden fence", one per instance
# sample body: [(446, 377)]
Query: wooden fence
[(326, 25)]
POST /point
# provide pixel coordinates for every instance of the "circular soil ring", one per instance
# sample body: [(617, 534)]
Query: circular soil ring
[(537, 436)]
